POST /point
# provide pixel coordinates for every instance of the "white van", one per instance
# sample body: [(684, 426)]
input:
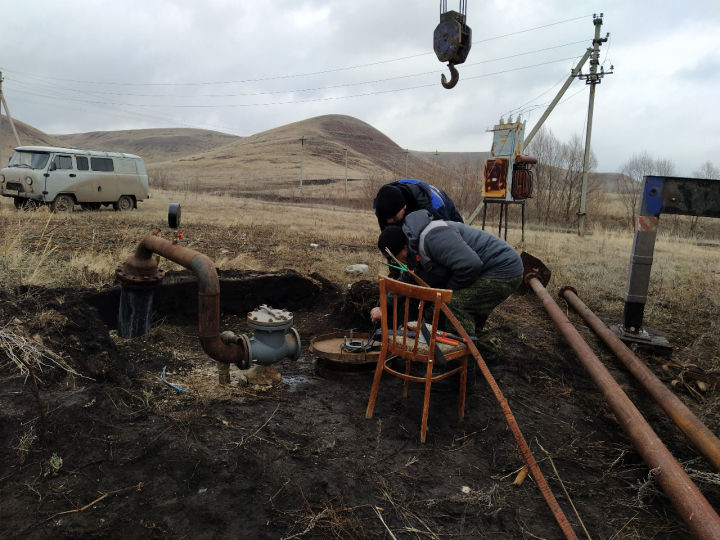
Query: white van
[(64, 177)]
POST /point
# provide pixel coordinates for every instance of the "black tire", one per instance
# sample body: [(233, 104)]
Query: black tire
[(124, 204), (63, 203), (28, 205), (18, 202)]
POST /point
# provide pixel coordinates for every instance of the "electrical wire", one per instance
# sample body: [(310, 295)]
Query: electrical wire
[(312, 73), (291, 102), (299, 90)]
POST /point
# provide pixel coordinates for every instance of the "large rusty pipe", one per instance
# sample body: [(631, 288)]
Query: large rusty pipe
[(698, 433), (141, 265), (687, 499)]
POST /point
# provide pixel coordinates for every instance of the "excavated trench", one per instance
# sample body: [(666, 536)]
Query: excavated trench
[(128, 456)]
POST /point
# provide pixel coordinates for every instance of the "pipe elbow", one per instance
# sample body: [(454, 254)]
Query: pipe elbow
[(227, 353)]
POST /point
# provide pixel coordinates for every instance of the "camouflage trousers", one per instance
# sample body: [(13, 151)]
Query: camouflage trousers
[(473, 305)]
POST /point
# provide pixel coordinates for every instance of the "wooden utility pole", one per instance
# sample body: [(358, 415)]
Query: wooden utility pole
[(302, 159), (593, 78), (3, 103)]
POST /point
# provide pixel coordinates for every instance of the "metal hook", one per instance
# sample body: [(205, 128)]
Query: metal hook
[(454, 77)]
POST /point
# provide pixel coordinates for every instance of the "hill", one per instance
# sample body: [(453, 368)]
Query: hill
[(317, 145), (152, 144), (28, 136)]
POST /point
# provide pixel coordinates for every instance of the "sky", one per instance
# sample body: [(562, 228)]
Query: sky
[(244, 67)]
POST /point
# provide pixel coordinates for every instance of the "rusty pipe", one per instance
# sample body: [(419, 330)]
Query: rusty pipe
[(698, 433), (687, 499), (141, 269)]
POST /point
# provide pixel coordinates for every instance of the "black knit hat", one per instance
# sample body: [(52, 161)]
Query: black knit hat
[(392, 237), (388, 201)]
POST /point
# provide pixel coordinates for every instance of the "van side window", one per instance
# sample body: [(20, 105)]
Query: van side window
[(101, 164), (82, 163), (63, 162)]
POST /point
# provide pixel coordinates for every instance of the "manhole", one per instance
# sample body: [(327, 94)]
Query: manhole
[(334, 361)]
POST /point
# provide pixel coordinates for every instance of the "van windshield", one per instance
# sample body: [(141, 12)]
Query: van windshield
[(29, 160)]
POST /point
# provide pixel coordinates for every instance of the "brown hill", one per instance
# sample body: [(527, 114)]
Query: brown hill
[(276, 156), (152, 145), (208, 160), (28, 136)]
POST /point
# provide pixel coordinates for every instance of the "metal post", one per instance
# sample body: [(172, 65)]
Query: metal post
[(500, 224), (7, 112), (302, 159), (484, 214), (507, 211), (593, 78), (346, 178), (523, 220)]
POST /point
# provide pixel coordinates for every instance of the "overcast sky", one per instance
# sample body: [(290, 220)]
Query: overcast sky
[(243, 67)]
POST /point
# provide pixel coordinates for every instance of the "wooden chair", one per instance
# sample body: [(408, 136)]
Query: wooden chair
[(410, 347)]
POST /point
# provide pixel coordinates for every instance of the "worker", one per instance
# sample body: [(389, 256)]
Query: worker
[(397, 199), (482, 270)]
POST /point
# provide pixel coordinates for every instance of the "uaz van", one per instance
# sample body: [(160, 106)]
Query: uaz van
[(64, 177)]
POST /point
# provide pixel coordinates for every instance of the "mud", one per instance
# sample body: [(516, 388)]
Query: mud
[(127, 456)]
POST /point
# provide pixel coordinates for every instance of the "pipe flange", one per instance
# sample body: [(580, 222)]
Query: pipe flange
[(266, 318), (128, 276)]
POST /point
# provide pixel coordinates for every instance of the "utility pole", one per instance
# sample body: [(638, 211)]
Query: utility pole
[(302, 159), (346, 172), (407, 153), (3, 103), (593, 78)]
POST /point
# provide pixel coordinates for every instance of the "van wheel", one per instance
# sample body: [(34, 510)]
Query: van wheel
[(26, 205), (62, 203), (29, 205), (124, 204)]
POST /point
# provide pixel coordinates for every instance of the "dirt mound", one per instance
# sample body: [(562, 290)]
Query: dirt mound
[(130, 456)]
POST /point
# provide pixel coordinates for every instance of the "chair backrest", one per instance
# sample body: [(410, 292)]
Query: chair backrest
[(401, 311)]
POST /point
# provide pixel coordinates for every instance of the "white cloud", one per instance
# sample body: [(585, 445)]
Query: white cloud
[(245, 68)]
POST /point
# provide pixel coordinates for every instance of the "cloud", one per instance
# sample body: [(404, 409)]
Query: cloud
[(244, 68)]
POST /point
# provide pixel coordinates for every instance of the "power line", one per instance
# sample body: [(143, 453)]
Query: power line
[(290, 102), (315, 89), (321, 72)]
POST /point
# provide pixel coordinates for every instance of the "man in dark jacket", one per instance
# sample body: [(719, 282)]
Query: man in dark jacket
[(481, 269), (397, 199)]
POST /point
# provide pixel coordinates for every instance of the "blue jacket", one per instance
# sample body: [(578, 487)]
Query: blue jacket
[(420, 195)]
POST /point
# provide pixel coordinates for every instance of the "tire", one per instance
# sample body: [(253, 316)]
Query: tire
[(63, 203), (28, 205), (18, 202), (124, 204)]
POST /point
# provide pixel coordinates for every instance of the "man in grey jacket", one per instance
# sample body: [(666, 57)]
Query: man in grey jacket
[(481, 269)]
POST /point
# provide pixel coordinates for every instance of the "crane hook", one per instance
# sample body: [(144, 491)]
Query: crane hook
[(454, 77)]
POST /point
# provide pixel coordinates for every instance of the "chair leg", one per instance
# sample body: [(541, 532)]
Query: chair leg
[(376, 384), (406, 383), (463, 386), (426, 402)]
